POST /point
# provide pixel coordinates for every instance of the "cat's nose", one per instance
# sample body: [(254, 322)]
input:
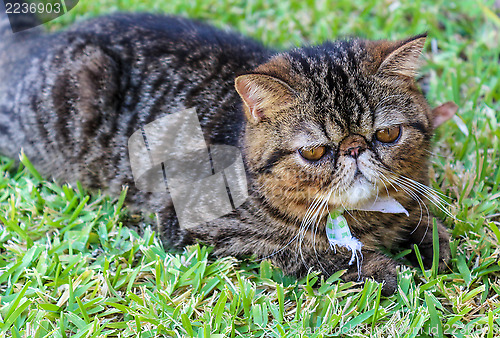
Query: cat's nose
[(354, 151), (353, 146)]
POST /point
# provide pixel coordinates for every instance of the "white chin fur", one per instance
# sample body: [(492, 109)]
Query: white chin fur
[(357, 194), (360, 190)]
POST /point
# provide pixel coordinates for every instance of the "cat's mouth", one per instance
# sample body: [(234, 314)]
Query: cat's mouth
[(359, 190), (358, 174)]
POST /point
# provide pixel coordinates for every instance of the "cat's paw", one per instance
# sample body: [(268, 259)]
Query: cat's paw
[(383, 271), (427, 252), (380, 268), (444, 254)]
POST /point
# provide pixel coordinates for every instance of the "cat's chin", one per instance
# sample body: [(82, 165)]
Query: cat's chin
[(359, 193)]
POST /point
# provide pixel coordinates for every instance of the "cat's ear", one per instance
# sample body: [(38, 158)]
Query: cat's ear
[(263, 95), (402, 58), (443, 113)]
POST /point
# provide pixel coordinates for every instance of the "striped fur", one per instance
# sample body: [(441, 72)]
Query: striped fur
[(72, 99)]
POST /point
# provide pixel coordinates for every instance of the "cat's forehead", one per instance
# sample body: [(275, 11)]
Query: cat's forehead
[(332, 60), (339, 88), (335, 88)]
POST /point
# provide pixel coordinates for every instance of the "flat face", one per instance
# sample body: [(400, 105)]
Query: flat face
[(349, 134)]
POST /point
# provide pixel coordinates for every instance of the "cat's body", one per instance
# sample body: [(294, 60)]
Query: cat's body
[(72, 99)]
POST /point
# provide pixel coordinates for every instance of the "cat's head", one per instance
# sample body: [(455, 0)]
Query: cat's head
[(340, 121)]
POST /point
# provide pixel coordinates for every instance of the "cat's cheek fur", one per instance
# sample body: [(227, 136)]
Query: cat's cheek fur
[(405, 155)]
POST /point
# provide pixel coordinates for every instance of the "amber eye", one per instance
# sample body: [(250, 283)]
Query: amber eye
[(388, 135), (313, 154)]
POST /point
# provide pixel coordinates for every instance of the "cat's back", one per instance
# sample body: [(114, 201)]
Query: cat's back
[(173, 33), (146, 35), (80, 93)]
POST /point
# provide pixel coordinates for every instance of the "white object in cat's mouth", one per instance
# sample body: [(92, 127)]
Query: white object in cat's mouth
[(339, 234), (386, 204)]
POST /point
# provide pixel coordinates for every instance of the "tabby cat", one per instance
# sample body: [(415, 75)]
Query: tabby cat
[(321, 128)]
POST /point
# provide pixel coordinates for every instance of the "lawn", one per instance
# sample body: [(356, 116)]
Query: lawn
[(77, 263)]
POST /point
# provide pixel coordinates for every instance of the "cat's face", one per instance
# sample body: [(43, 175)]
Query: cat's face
[(340, 122)]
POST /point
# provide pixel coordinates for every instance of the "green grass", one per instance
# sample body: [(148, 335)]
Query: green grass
[(70, 267)]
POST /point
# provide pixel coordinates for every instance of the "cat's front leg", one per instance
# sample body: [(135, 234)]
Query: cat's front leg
[(378, 267), (369, 264), (294, 257), (297, 260)]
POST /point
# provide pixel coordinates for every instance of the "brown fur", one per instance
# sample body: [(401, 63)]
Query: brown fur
[(72, 100), (291, 185)]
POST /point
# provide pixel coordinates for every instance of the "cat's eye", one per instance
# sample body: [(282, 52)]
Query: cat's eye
[(313, 154), (388, 135)]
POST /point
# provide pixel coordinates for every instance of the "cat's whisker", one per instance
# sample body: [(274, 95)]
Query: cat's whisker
[(309, 218), (389, 182), (433, 196), (383, 182), (413, 195), (321, 210), (311, 208), (348, 212), (376, 187), (315, 220), (302, 228), (407, 191), (420, 202), (427, 191), (423, 186)]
